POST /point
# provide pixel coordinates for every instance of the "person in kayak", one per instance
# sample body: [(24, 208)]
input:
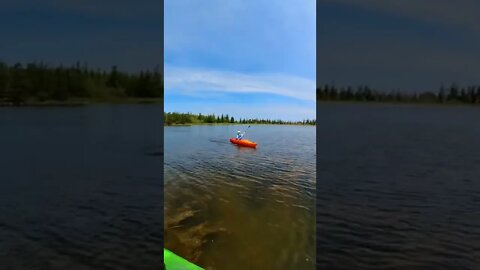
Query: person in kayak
[(240, 135)]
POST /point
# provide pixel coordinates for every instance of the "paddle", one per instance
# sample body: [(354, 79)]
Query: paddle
[(244, 132)]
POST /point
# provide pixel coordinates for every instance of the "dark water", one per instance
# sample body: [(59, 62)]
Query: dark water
[(398, 187), (230, 207), (80, 188)]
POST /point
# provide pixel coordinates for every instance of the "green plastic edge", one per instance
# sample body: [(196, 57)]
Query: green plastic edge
[(175, 262)]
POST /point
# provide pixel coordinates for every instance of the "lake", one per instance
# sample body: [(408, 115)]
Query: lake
[(230, 207), (398, 187), (80, 187)]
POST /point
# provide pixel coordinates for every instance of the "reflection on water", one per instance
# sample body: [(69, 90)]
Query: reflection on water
[(245, 149), (231, 207)]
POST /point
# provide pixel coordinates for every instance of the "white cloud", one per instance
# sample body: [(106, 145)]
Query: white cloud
[(193, 81)]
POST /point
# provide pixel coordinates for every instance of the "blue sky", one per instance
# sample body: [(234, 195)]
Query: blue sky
[(104, 33), (244, 58), (410, 45)]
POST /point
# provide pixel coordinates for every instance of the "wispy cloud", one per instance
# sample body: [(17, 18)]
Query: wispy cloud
[(193, 81), (244, 58), (261, 35)]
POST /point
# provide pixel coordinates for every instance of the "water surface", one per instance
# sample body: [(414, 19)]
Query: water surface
[(230, 207), (80, 188), (398, 187)]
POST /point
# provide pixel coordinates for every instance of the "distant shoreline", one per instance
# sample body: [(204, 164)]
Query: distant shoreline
[(233, 124), (182, 119), (454, 94), (82, 102), (37, 84), (138, 101), (405, 103)]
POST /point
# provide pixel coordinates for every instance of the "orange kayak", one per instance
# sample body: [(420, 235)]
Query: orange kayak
[(243, 142)]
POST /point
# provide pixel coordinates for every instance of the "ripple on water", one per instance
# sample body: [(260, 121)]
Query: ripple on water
[(237, 208), (394, 196)]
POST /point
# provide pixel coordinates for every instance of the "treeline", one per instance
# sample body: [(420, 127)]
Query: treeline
[(39, 82), (452, 94), (173, 118)]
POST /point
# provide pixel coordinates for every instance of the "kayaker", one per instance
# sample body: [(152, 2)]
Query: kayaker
[(240, 135)]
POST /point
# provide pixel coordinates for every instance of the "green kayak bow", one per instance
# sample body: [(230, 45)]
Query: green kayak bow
[(175, 262)]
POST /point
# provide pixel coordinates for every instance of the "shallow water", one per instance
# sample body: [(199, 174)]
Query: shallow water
[(230, 207), (398, 187), (80, 188)]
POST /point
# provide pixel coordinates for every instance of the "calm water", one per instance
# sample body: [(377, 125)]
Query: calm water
[(80, 188), (230, 207), (398, 187)]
